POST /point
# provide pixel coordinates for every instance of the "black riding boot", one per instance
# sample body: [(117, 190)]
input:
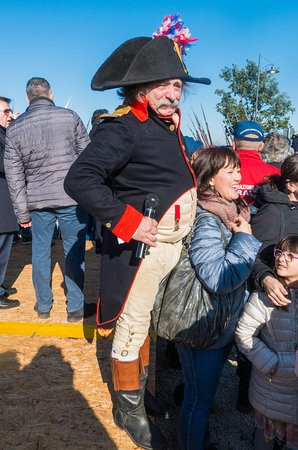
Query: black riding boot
[(129, 412)]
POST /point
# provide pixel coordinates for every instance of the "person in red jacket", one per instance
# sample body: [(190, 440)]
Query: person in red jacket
[(248, 143)]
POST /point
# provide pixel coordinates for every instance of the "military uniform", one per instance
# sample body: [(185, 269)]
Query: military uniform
[(133, 153)]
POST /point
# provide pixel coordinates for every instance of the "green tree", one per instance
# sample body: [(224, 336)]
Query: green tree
[(239, 101)]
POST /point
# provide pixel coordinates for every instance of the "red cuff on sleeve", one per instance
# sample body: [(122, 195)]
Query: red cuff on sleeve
[(128, 224)]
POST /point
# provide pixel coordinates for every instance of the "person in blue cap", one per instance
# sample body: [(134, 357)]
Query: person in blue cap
[(248, 143), (192, 147)]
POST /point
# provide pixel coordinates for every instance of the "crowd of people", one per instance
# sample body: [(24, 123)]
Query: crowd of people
[(135, 176)]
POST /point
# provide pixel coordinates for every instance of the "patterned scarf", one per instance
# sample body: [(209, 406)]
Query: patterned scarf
[(225, 210)]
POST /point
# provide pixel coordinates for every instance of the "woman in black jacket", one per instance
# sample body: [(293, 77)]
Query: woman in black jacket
[(277, 218)]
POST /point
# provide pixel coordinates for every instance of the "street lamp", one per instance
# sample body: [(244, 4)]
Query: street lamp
[(271, 71)]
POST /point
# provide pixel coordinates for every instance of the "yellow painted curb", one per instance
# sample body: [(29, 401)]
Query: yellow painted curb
[(49, 329)]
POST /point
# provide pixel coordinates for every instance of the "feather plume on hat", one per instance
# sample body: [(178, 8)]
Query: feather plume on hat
[(173, 28)]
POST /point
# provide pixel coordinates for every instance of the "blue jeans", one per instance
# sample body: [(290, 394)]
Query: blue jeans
[(72, 222), (201, 370)]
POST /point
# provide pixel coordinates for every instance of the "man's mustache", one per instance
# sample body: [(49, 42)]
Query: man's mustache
[(163, 102)]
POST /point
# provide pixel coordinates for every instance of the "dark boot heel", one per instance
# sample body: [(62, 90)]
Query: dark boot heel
[(129, 413)]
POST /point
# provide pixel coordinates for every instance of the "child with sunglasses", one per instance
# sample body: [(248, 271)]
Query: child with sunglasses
[(268, 336)]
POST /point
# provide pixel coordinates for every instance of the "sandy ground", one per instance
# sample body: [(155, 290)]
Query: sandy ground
[(54, 392)]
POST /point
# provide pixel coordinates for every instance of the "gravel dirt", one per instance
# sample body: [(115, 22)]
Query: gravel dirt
[(230, 429)]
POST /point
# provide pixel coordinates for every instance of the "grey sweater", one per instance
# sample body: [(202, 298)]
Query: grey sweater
[(41, 145)]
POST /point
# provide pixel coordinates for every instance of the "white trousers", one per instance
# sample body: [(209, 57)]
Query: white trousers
[(134, 322)]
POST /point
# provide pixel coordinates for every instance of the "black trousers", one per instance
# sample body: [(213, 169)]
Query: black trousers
[(5, 248), (243, 370)]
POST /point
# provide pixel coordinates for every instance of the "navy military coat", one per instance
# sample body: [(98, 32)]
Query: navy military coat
[(134, 152)]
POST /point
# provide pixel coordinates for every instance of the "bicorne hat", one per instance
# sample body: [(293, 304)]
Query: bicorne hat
[(143, 60)]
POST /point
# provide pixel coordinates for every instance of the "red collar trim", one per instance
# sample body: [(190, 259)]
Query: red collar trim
[(165, 117), (178, 112), (140, 109)]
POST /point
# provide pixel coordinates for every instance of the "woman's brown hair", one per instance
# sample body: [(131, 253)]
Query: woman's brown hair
[(208, 164)]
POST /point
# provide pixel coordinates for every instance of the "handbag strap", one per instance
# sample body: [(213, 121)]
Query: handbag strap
[(198, 217)]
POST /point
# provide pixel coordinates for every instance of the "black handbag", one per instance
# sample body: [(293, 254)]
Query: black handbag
[(184, 310)]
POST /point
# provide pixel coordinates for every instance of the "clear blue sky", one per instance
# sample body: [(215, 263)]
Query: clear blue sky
[(66, 41)]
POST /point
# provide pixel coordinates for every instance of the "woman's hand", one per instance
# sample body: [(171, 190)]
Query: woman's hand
[(241, 224), (275, 291)]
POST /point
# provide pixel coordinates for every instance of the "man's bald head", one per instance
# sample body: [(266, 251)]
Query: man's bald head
[(239, 144)]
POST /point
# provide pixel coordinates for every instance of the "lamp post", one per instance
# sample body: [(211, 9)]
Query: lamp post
[(271, 71)]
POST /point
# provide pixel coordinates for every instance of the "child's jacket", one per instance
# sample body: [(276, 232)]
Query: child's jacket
[(268, 336)]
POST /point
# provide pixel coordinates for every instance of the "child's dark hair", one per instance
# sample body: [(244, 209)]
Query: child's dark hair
[(288, 172), (289, 243), (208, 164)]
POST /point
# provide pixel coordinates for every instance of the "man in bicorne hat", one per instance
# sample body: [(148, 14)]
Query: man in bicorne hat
[(137, 150)]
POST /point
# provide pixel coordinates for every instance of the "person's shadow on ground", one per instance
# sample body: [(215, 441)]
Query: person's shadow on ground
[(40, 408)]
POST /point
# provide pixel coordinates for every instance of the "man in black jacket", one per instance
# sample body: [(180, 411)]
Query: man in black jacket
[(8, 222), (40, 147), (137, 150), (96, 120)]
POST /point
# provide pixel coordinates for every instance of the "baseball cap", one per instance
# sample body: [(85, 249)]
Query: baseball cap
[(244, 129), (192, 145)]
